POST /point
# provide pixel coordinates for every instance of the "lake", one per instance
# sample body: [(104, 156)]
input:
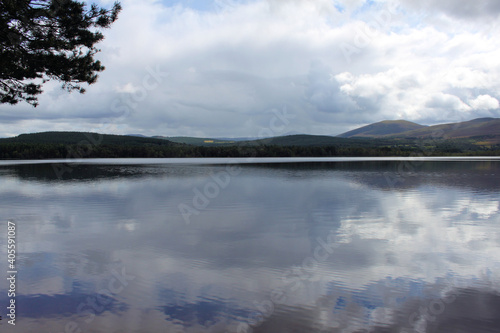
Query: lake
[(261, 245)]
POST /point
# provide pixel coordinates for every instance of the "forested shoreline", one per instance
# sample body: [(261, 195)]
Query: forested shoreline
[(16, 151)]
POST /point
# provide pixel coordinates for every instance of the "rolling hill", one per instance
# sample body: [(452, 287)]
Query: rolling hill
[(382, 128), (71, 145), (484, 130), (481, 127), (196, 141), (72, 138), (304, 140)]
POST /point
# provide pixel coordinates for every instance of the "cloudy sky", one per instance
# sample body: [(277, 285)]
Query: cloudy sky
[(232, 68)]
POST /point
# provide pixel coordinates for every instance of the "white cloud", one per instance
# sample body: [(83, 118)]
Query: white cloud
[(127, 88), (442, 101), (484, 102)]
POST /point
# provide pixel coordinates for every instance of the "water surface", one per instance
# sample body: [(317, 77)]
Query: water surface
[(328, 245)]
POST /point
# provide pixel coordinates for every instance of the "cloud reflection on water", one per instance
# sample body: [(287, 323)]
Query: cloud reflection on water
[(399, 248)]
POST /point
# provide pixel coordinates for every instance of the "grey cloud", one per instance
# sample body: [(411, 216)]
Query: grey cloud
[(323, 91), (408, 82), (442, 101), (463, 9)]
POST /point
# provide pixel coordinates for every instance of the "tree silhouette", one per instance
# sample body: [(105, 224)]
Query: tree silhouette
[(44, 40)]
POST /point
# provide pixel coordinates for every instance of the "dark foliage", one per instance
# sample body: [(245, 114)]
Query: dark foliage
[(68, 145), (43, 40)]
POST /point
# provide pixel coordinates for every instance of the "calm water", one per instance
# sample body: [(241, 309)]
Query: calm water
[(345, 246)]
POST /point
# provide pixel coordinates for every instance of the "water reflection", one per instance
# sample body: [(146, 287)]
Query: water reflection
[(319, 247)]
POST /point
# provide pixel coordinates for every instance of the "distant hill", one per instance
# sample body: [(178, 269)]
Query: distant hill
[(81, 137), (139, 135), (237, 139), (484, 130), (197, 141), (70, 145), (301, 140), (489, 128), (386, 127), (481, 131)]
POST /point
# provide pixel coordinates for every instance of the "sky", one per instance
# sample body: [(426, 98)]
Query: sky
[(254, 68)]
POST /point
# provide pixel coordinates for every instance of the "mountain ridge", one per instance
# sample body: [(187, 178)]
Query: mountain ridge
[(70, 145), (83, 138), (382, 128), (485, 131), (479, 127)]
